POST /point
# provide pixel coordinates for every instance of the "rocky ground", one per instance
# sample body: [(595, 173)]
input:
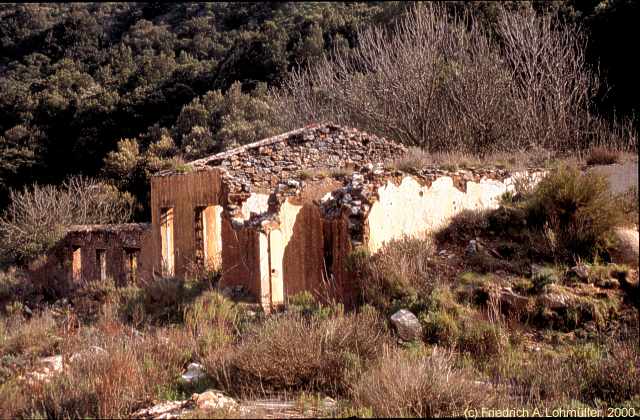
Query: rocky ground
[(491, 311)]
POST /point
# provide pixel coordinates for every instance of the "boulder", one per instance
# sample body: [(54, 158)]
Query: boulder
[(53, 363), (214, 400), (407, 325), (554, 301), (471, 249), (208, 400), (511, 300), (608, 283), (626, 250), (48, 367)]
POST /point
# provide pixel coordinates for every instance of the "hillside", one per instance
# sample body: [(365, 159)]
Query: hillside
[(76, 79), (434, 213), (528, 306)]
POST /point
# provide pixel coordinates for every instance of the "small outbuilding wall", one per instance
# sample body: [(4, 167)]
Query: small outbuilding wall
[(96, 253)]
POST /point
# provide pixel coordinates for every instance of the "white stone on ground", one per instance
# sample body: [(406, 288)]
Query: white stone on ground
[(195, 372), (214, 400)]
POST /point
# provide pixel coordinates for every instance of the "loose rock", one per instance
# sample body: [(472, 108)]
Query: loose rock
[(214, 400), (626, 251), (407, 325), (582, 271), (195, 372), (554, 301)]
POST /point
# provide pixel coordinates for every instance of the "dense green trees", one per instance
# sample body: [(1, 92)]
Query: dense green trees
[(123, 89), (78, 80)]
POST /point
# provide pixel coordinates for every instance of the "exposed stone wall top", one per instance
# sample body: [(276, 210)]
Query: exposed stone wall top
[(260, 166), (124, 227)]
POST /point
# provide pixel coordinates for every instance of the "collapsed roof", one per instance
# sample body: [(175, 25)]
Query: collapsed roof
[(263, 164)]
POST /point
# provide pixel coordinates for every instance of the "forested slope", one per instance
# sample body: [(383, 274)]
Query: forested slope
[(120, 90)]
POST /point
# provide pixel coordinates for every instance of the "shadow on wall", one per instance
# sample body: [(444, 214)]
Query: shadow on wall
[(303, 261)]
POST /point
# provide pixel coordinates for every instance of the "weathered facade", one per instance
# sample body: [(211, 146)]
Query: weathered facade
[(283, 214), (87, 253)]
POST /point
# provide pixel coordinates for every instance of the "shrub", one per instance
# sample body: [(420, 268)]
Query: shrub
[(399, 271), (543, 277), (441, 328), (293, 352), (602, 156), (575, 211), (464, 226), (402, 384), (31, 338), (584, 372), (36, 217), (14, 287), (630, 203), (482, 339), (213, 321), (616, 377)]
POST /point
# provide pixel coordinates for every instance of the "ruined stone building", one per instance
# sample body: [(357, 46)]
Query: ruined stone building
[(282, 215), (121, 253)]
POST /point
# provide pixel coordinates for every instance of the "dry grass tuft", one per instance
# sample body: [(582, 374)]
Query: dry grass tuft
[(602, 156), (402, 384), (398, 271), (415, 159), (293, 352)]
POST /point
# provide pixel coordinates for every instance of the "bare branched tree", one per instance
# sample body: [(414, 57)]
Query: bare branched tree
[(443, 83), (37, 216)]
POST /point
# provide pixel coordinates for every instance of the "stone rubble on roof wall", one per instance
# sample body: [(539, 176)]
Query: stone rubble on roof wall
[(276, 166), (327, 146), (358, 194)]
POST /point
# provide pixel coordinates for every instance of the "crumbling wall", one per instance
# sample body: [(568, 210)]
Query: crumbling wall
[(414, 209), (305, 238), (302, 225), (277, 252), (84, 245), (117, 242), (185, 193), (261, 166), (377, 205)]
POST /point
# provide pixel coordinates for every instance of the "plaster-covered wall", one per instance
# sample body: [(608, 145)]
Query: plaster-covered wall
[(257, 203), (413, 209)]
